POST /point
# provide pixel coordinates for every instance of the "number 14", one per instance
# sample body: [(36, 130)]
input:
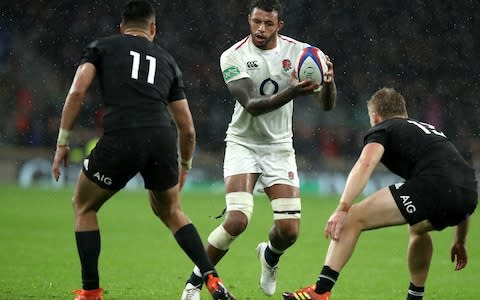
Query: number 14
[(427, 128)]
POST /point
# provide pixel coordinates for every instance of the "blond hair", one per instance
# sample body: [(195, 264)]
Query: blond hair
[(387, 103)]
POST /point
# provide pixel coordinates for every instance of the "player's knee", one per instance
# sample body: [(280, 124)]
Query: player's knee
[(235, 222), (356, 219), (240, 202), (239, 212), (80, 207), (286, 214), (288, 230), (286, 208)]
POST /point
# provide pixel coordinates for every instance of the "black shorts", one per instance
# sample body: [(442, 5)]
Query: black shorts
[(434, 199), (120, 155)]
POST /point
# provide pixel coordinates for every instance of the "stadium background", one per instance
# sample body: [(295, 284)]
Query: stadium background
[(426, 50)]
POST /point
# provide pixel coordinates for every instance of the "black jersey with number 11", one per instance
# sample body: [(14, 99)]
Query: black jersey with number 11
[(137, 80)]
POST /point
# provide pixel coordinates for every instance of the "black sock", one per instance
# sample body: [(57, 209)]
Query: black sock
[(271, 257), (415, 292), (195, 280), (88, 246), (326, 280), (187, 237)]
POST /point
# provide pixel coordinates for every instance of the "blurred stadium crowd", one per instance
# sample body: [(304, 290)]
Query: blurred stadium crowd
[(427, 50)]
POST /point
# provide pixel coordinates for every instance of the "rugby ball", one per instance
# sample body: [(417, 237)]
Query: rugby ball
[(311, 65)]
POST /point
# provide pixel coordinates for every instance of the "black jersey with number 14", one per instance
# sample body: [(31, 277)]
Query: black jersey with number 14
[(137, 80), (414, 148)]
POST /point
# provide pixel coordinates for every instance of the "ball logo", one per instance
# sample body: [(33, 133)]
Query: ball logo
[(308, 73)]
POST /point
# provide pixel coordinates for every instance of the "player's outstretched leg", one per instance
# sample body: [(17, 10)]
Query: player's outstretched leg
[(268, 276), (307, 293)]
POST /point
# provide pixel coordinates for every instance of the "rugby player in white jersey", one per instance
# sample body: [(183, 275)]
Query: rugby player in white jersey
[(259, 73)]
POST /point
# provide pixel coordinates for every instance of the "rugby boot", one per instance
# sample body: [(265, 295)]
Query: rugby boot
[(307, 293), (191, 292), (217, 289), (268, 277), (96, 294)]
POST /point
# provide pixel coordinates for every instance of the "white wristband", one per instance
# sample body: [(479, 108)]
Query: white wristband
[(63, 137), (186, 164)]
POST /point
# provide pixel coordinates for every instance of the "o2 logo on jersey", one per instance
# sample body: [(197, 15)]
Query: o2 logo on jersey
[(268, 87)]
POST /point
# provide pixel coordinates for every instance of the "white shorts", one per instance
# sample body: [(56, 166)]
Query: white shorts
[(275, 162)]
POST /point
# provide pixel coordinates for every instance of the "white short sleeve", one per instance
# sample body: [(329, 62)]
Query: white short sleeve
[(232, 67)]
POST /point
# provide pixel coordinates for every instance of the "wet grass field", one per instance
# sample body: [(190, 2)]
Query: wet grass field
[(141, 260)]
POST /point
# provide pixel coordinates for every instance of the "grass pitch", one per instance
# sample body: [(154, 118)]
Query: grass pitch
[(141, 260)]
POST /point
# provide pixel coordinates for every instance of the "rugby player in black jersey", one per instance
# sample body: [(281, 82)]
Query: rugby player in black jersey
[(147, 114), (440, 190)]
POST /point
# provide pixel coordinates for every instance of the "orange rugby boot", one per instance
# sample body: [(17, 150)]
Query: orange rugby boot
[(89, 294), (307, 293), (217, 289)]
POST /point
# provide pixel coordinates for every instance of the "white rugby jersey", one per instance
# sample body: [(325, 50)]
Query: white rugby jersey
[(271, 71)]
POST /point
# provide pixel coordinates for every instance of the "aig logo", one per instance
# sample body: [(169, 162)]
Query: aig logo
[(253, 64), (408, 204), (103, 178), (100, 177)]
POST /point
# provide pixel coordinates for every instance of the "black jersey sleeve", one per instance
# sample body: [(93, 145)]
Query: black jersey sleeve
[(376, 136), (177, 90), (91, 54)]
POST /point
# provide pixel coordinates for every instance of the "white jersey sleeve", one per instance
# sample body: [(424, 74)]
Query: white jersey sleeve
[(232, 66)]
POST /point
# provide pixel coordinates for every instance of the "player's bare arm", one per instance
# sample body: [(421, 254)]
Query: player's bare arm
[(356, 181), (76, 95), (328, 93), (243, 91), (458, 251), (73, 104), (182, 116)]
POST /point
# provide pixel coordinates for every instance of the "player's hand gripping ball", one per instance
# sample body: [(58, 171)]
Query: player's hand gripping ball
[(311, 65)]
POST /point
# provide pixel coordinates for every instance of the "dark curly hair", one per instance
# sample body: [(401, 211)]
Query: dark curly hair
[(267, 5)]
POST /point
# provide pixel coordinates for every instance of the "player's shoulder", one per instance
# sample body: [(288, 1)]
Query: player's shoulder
[(286, 41), (394, 126), (155, 47), (382, 127), (236, 51), (393, 122), (238, 47), (291, 41), (111, 39), (107, 42)]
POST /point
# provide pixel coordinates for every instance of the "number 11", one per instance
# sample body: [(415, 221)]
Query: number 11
[(151, 67)]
